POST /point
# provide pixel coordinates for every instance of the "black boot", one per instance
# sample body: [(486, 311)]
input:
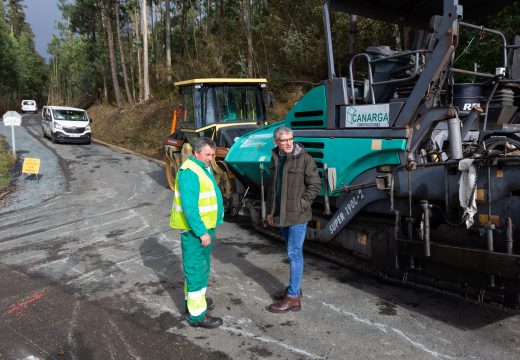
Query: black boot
[(208, 322)]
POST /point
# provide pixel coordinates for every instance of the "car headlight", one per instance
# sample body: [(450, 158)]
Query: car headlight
[(58, 126), (87, 128)]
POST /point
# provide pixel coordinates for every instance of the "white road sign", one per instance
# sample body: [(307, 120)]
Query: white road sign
[(12, 118)]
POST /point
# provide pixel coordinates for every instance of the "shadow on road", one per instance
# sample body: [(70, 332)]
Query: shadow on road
[(234, 250), (168, 268), (159, 177)]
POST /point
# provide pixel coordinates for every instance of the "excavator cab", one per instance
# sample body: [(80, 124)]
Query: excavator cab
[(221, 109)]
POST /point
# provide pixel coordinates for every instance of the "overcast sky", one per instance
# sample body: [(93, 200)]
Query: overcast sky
[(41, 15)]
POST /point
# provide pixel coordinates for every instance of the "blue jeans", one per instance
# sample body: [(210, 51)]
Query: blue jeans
[(294, 235)]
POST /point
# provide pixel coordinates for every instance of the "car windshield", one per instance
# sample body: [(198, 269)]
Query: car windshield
[(70, 115), (28, 102)]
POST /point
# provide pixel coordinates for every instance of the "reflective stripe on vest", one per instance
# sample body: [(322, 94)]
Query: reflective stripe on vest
[(208, 206)]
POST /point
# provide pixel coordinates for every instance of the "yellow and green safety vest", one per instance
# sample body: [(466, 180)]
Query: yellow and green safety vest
[(208, 205)]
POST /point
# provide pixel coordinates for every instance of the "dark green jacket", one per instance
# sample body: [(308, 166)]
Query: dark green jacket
[(300, 185)]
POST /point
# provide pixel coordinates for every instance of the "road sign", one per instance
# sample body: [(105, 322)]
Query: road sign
[(12, 118), (31, 166)]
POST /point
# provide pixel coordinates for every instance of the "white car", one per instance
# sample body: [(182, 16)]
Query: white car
[(29, 106), (66, 124)]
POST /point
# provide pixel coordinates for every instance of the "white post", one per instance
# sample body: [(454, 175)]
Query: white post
[(12, 137), (12, 119)]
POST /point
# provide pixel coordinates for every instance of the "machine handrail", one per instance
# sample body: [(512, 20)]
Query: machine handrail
[(370, 61)]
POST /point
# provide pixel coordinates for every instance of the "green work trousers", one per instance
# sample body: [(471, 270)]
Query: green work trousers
[(196, 266)]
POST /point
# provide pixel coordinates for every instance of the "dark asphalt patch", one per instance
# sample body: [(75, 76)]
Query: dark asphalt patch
[(42, 320)]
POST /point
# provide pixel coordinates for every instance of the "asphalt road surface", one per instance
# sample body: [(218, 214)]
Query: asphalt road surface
[(89, 269)]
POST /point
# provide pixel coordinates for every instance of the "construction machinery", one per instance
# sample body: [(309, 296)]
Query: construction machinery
[(421, 173), (221, 109)]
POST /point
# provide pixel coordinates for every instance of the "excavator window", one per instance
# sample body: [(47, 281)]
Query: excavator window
[(239, 103)]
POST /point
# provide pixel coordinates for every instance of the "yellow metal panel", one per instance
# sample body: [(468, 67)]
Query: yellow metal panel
[(221, 81), (481, 194), (500, 173), (483, 219)]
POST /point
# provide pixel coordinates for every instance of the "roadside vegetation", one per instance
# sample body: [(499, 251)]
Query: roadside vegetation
[(120, 58), (23, 72), (7, 164)]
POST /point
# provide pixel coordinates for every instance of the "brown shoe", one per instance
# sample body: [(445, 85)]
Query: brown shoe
[(288, 303), (279, 295)]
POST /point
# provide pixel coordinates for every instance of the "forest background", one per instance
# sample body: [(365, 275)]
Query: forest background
[(120, 58)]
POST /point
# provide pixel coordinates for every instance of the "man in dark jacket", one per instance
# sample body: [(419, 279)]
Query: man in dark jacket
[(294, 182)]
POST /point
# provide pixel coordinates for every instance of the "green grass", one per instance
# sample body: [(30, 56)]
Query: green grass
[(7, 163)]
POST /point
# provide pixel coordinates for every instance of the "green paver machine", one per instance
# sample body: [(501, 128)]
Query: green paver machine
[(421, 174)]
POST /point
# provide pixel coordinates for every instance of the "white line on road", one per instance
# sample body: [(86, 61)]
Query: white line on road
[(385, 328), (128, 347), (270, 340)]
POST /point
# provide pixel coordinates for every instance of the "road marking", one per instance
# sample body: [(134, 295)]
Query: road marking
[(54, 227), (129, 348), (386, 328), (269, 340), (24, 304), (72, 326)]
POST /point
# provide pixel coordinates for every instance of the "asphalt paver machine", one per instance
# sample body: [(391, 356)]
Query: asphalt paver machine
[(421, 174)]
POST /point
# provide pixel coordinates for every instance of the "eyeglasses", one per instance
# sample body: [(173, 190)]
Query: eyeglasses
[(283, 141)]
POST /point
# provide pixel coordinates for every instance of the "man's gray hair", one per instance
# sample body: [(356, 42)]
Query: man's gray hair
[(282, 130), (201, 142)]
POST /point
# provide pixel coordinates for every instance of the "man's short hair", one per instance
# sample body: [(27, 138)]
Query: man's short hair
[(282, 130), (201, 142)]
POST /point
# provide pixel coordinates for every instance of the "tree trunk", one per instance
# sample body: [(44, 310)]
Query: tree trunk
[(105, 87), (185, 6), (146, 79), (168, 42), (137, 22), (246, 17), (353, 34), (221, 19), (156, 46), (122, 53), (108, 28)]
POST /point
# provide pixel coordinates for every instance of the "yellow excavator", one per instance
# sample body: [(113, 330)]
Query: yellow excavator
[(222, 109)]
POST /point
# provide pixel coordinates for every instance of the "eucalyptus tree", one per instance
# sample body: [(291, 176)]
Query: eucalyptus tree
[(146, 76), (8, 71), (168, 45), (121, 51), (16, 17), (107, 24)]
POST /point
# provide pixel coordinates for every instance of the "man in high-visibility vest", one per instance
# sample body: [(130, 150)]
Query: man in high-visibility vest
[(197, 210)]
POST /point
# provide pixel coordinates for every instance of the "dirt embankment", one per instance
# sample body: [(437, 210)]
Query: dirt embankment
[(142, 128)]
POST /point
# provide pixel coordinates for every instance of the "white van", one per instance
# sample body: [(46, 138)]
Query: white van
[(29, 106), (66, 124)]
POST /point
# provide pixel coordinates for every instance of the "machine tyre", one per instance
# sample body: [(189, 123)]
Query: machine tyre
[(171, 172)]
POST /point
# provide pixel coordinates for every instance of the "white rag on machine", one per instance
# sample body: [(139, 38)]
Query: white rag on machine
[(467, 195)]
